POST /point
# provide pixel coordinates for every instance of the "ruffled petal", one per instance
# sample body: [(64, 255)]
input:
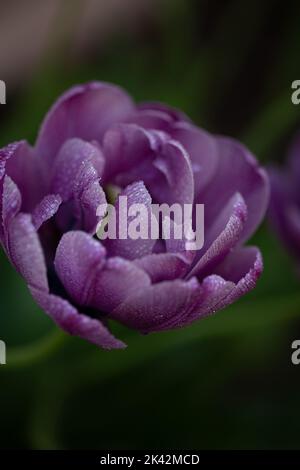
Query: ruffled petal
[(133, 153)]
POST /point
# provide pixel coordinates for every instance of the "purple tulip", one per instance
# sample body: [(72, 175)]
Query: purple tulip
[(95, 136), (285, 199)]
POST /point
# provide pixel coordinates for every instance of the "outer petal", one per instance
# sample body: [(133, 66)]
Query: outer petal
[(212, 291), (152, 308), (75, 323), (19, 161), (243, 267), (25, 251), (237, 171), (84, 111), (222, 236), (11, 202), (237, 275), (92, 281)]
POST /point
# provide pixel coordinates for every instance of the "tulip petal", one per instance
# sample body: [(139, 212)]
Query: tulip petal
[(222, 236), (73, 153), (203, 151), (78, 259), (25, 251), (129, 248), (19, 162), (151, 308), (70, 320), (243, 267), (46, 209), (163, 266), (85, 111), (117, 280), (237, 171)]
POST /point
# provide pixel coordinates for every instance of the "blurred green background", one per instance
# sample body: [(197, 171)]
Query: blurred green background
[(226, 382)]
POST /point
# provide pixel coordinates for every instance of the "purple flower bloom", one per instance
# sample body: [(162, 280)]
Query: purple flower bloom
[(285, 199), (95, 136)]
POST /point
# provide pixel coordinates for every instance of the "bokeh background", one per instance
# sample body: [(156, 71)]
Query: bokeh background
[(226, 382)]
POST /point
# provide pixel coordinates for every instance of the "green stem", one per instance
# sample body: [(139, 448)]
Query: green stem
[(33, 353)]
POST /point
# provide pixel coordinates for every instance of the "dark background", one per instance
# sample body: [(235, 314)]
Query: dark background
[(228, 381)]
